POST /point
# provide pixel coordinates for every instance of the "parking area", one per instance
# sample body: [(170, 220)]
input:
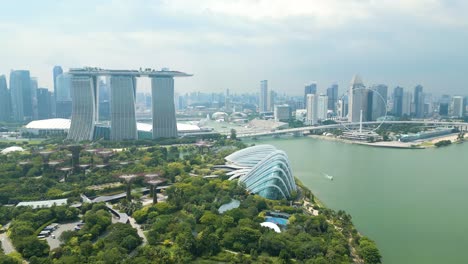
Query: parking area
[(53, 239)]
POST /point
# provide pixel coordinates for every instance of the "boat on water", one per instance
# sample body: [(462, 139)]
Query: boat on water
[(328, 176)]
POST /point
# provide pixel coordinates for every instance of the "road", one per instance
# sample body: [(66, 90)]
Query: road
[(55, 242), (6, 242)]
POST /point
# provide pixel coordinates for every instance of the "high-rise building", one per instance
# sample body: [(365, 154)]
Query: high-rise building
[(282, 113), (332, 93), (465, 106), (44, 109), (457, 106), (263, 98), (358, 100), (310, 88), (379, 101), (227, 101), (418, 102), (83, 118), (444, 104), (104, 100), (62, 96), (398, 101), (312, 108), (322, 107), (406, 104), (5, 100), (271, 101), (56, 72), (164, 120), (123, 119), (342, 107), (34, 87), (20, 92)]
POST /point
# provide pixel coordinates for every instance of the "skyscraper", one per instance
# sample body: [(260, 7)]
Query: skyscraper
[(342, 107), (406, 104), (379, 101), (465, 106), (418, 102), (312, 108), (62, 96), (457, 106), (164, 120), (398, 101), (358, 100), (34, 87), (56, 72), (83, 118), (322, 107), (332, 93), (104, 105), (123, 119), (263, 98), (44, 110), (5, 100), (309, 89), (20, 92), (444, 103), (271, 101)]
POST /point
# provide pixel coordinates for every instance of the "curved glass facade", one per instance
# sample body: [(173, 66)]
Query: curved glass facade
[(264, 170)]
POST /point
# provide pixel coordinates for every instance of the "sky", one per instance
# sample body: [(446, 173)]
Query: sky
[(236, 43)]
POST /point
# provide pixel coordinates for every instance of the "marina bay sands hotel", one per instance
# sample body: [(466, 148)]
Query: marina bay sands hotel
[(123, 125)]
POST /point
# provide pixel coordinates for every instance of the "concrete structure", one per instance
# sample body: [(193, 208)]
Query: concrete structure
[(20, 92), (264, 170), (85, 95), (457, 106), (271, 101), (465, 106), (310, 88), (57, 71), (263, 97), (301, 115), (342, 107), (34, 87), (282, 113), (418, 102), (312, 108), (5, 100), (358, 99), (43, 204), (322, 107)]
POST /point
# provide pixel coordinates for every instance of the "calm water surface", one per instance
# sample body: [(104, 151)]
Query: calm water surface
[(413, 203)]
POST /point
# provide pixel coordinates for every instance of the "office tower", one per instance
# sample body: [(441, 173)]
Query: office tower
[(104, 105), (34, 87), (358, 100), (312, 108), (5, 100), (322, 107), (282, 113), (379, 101), (332, 93), (271, 101), (457, 106), (123, 119), (83, 118), (444, 104), (263, 98), (418, 102), (20, 93), (164, 120), (465, 106), (62, 96), (309, 89), (44, 109), (342, 107), (406, 104), (56, 72), (227, 101), (428, 105), (398, 101)]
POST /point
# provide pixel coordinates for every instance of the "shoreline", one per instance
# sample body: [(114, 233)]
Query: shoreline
[(418, 144)]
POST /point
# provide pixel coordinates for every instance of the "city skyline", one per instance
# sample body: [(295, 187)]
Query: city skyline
[(312, 40)]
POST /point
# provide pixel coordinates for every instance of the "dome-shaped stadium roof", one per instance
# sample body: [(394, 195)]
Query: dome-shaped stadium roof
[(11, 149), (271, 225)]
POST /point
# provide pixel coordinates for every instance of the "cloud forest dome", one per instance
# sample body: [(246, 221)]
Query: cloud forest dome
[(264, 170)]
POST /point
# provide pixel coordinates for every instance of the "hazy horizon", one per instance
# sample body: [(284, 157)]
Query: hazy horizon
[(235, 44)]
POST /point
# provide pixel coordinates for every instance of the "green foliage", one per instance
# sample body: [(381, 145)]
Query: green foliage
[(369, 251), (443, 143)]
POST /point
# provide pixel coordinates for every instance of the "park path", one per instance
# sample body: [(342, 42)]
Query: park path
[(6, 242)]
